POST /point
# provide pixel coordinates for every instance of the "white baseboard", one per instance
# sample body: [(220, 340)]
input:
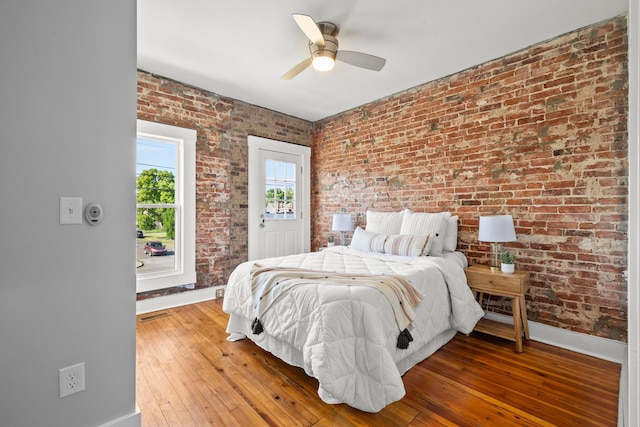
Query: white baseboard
[(130, 420), (602, 348), (175, 300)]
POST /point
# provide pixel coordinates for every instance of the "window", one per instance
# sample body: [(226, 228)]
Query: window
[(165, 206), (280, 194)]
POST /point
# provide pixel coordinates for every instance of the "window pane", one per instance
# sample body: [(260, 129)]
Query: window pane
[(270, 201), (155, 171), (152, 154), (280, 190), (280, 171), (270, 171), (291, 172), (155, 185), (290, 200), (155, 250)]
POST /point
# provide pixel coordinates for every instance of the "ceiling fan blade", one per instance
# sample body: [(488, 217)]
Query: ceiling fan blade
[(310, 28), (362, 60), (297, 69)]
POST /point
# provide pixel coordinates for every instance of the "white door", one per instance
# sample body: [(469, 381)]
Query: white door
[(278, 198)]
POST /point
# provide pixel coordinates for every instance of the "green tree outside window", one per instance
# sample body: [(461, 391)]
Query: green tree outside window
[(156, 186)]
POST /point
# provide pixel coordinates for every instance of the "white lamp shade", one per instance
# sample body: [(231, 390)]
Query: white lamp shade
[(498, 228), (342, 222)]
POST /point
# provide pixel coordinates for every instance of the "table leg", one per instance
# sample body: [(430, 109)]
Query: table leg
[(525, 322), (517, 323)]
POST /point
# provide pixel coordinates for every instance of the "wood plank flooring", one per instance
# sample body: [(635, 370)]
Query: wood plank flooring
[(189, 375)]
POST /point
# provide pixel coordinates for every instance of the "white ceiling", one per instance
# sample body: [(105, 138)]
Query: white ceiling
[(240, 48)]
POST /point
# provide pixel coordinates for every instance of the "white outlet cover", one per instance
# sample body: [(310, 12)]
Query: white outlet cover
[(71, 379)]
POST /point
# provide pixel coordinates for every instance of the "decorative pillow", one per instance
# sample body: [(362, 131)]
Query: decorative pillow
[(425, 224), (451, 236), (384, 222), (367, 242), (406, 244)]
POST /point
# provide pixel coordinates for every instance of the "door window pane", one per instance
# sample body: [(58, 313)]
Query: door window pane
[(280, 190)]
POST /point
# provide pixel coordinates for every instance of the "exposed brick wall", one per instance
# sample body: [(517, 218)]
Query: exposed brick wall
[(539, 134), (222, 125)]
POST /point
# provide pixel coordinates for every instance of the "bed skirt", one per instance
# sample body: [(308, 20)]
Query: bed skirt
[(240, 327)]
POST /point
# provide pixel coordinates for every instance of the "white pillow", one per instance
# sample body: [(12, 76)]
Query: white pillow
[(367, 242), (423, 223), (451, 236), (406, 244), (384, 222)]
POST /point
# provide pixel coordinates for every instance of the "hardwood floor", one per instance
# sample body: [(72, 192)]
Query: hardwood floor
[(189, 375)]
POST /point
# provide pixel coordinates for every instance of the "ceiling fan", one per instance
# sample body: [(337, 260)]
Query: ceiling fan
[(323, 46)]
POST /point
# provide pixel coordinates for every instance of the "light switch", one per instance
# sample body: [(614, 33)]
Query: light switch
[(70, 210)]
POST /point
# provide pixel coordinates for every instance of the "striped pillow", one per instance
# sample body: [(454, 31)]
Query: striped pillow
[(406, 244), (367, 242)]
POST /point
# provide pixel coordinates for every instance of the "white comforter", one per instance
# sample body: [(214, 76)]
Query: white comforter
[(345, 337)]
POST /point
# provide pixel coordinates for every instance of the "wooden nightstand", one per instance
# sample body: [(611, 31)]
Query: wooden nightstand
[(482, 280)]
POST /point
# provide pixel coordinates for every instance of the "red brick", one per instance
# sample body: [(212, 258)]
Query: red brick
[(534, 142)]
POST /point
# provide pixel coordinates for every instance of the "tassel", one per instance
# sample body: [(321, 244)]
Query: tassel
[(404, 339), (408, 335), (256, 326)]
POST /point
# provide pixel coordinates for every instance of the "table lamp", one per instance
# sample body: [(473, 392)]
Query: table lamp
[(342, 223), (496, 230)]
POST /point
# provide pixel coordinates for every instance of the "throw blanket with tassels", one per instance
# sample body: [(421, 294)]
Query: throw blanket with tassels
[(269, 283)]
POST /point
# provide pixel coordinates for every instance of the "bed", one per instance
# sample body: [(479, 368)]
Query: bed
[(349, 336)]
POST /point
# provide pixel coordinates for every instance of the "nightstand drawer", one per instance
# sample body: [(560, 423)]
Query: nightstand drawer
[(483, 279)]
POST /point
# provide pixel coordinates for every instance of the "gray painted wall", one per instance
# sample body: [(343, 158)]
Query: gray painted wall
[(67, 128)]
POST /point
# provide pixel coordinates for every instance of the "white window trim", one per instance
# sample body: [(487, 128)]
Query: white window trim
[(186, 141)]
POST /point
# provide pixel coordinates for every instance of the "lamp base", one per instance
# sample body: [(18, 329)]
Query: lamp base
[(496, 250)]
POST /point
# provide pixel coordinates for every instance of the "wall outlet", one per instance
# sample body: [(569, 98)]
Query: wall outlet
[(71, 379), (220, 293)]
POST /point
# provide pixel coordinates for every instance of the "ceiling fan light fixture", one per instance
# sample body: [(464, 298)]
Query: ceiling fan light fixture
[(324, 56), (323, 63), (323, 47)]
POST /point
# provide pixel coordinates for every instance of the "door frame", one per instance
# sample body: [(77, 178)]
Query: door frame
[(256, 144)]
